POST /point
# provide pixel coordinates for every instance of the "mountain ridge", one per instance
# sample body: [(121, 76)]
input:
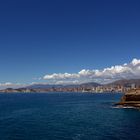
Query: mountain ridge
[(122, 82), (116, 86), (43, 86)]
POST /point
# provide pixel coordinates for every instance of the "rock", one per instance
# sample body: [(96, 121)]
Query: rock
[(131, 98)]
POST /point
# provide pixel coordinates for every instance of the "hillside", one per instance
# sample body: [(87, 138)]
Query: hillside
[(46, 86), (125, 82)]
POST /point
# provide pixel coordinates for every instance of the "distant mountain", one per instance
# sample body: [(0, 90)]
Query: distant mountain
[(42, 86), (125, 82), (90, 84), (46, 86), (120, 85)]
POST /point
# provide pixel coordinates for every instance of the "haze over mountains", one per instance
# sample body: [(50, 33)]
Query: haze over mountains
[(117, 86), (123, 82), (126, 82), (44, 86)]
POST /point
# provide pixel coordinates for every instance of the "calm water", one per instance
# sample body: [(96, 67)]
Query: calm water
[(66, 116)]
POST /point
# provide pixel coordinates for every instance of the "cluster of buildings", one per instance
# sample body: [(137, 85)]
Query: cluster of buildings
[(78, 88), (112, 88)]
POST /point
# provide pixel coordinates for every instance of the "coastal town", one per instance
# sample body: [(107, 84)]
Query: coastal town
[(121, 86)]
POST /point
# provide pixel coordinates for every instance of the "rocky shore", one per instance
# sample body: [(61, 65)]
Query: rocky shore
[(130, 99)]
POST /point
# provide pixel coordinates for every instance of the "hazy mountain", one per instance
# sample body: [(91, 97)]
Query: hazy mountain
[(42, 86), (126, 82), (123, 82), (93, 84), (46, 86)]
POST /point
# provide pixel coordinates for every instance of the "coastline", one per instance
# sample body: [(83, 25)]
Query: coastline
[(130, 99), (61, 92)]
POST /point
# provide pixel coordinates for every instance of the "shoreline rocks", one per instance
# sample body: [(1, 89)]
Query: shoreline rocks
[(131, 98)]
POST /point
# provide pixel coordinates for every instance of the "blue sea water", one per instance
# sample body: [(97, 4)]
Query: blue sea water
[(66, 116)]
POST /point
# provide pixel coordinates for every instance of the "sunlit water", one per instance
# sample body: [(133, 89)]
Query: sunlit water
[(66, 116)]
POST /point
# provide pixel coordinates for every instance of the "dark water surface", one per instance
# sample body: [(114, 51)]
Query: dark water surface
[(66, 116)]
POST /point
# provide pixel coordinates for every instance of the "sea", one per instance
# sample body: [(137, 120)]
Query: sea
[(66, 116)]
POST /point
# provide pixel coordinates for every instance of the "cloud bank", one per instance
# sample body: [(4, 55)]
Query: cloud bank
[(107, 75), (10, 85)]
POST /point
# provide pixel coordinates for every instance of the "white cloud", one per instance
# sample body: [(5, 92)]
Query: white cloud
[(60, 76), (125, 71), (10, 85), (67, 82), (135, 62)]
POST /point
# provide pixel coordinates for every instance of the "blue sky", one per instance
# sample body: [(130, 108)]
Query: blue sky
[(40, 37)]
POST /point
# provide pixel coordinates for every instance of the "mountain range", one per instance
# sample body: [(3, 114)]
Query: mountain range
[(44, 86), (117, 86), (123, 82)]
